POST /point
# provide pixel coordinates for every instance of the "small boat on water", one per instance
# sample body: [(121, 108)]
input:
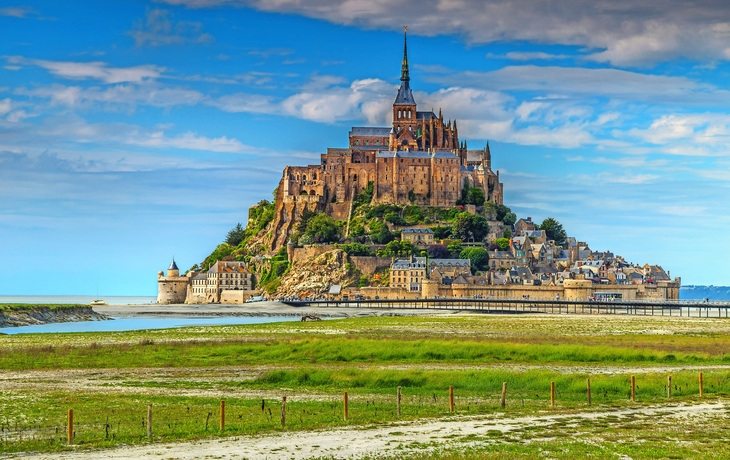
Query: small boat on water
[(97, 302)]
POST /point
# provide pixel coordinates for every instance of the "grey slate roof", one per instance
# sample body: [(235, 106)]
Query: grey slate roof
[(426, 115), (405, 264), (417, 230), (405, 95), (453, 262), (369, 131), (173, 265)]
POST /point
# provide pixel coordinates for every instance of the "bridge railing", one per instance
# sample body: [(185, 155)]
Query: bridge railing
[(516, 306)]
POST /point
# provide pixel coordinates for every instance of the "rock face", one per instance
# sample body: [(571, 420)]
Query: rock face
[(314, 277), (25, 316)]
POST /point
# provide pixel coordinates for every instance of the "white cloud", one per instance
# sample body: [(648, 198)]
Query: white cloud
[(123, 94), (17, 11), (159, 29), (533, 56), (93, 70), (622, 32), (322, 100), (583, 82), (4, 106), (192, 141)]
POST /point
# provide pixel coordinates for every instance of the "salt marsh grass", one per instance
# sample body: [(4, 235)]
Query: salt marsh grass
[(110, 378)]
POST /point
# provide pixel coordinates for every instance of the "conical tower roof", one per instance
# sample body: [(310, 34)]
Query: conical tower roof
[(173, 265)]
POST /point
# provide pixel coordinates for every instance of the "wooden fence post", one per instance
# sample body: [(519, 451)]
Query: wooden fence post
[(633, 388), (503, 402), (552, 394), (283, 411), (451, 399), (701, 385), (223, 415), (588, 386), (149, 421), (669, 386), (70, 427), (399, 398), (346, 405)]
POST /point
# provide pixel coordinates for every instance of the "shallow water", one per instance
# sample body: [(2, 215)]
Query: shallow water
[(76, 299), (141, 323)]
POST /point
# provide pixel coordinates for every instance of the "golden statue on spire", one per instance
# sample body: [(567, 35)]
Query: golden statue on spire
[(405, 28)]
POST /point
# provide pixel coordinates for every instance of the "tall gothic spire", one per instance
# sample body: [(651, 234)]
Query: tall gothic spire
[(405, 95), (404, 77)]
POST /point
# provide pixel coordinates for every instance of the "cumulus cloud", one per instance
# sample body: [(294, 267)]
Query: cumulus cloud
[(92, 70), (622, 32), (323, 99), (159, 29)]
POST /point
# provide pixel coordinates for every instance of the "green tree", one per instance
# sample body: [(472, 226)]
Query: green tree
[(475, 196), (554, 230), (510, 218), (440, 232), (455, 247), (502, 243), (322, 229), (235, 236), (357, 249), (479, 258), (507, 233), (438, 251), (382, 235), (501, 211), (304, 220), (470, 227), (399, 248)]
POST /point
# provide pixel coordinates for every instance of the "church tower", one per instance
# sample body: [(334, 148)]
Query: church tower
[(405, 123)]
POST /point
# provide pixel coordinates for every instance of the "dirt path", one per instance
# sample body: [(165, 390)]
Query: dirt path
[(393, 438)]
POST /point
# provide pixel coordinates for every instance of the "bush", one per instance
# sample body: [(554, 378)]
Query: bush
[(357, 249)]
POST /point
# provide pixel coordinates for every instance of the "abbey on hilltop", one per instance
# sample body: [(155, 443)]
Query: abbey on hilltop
[(418, 159)]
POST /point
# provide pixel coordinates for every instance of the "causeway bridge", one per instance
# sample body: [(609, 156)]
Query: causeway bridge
[(685, 308)]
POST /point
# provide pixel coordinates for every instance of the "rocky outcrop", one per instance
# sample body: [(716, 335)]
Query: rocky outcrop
[(32, 314), (314, 277)]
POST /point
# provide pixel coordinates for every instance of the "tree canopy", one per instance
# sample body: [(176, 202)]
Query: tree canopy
[(470, 227), (479, 258), (438, 251), (475, 196), (235, 236), (322, 229), (554, 230)]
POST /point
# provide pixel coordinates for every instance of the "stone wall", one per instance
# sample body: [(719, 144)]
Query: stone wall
[(368, 265), (309, 252)]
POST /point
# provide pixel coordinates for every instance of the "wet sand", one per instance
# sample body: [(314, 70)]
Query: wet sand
[(257, 309)]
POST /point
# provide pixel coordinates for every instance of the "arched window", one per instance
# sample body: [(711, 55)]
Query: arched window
[(314, 176), (304, 177), (311, 192)]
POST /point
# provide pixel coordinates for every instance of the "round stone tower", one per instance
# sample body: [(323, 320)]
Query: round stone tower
[(173, 287)]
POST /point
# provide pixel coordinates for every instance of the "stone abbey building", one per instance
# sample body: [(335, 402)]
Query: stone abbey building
[(418, 159)]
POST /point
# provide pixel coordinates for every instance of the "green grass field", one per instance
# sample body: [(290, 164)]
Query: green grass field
[(109, 379)]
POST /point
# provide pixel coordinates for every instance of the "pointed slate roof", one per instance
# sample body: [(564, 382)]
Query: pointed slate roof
[(173, 265), (405, 95)]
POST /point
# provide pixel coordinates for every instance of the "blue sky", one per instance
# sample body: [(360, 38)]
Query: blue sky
[(133, 131)]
